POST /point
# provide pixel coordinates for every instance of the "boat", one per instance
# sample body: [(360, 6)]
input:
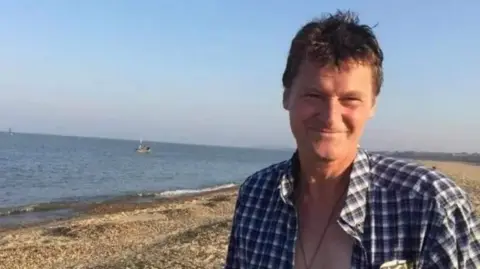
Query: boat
[(142, 148), (10, 131)]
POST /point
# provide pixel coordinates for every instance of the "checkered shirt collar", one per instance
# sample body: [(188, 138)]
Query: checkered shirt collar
[(354, 210)]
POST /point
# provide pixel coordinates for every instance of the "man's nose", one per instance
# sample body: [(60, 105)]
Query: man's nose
[(330, 112)]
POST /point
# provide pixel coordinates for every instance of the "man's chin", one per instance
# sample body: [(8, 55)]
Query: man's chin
[(325, 150), (332, 152), (326, 155)]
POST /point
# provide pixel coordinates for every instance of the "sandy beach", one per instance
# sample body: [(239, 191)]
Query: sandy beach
[(186, 232)]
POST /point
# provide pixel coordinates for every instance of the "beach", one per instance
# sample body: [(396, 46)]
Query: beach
[(182, 232)]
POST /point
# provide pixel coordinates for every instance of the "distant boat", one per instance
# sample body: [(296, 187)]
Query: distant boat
[(142, 148), (10, 131)]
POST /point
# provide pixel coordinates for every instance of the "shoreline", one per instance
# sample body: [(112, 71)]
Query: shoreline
[(113, 206), (47, 212), (158, 234)]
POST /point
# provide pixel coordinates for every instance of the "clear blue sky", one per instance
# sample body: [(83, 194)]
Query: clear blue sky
[(210, 71)]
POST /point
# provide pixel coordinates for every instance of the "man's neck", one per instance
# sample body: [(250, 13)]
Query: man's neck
[(322, 182)]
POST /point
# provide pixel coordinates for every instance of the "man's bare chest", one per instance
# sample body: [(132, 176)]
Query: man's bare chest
[(334, 252)]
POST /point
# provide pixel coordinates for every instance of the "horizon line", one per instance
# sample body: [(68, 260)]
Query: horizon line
[(265, 147)]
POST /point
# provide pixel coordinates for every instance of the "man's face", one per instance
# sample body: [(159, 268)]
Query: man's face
[(329, 108)]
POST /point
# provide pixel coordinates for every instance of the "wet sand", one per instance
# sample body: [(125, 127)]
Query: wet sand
[(183, 232)]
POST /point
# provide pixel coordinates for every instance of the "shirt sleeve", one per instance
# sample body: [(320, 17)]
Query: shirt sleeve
[(232, 260), (454, 239)]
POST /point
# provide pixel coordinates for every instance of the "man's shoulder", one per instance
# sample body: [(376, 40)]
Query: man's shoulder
[(264, 180), (415, 179)]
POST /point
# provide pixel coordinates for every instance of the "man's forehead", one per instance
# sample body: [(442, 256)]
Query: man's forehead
[(353, 79), (331, 70)]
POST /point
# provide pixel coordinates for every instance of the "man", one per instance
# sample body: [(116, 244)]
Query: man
[(333, 204)]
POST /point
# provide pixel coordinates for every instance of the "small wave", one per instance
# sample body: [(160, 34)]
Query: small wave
[(32, 208), (180, 192), (19, 210), (71, 203), (193, 191)]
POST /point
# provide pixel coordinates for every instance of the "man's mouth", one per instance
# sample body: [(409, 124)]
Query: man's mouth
[(330, 131), (327, 131)]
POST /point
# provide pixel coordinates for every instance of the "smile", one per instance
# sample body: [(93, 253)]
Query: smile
[(330, 132), (325, 131)]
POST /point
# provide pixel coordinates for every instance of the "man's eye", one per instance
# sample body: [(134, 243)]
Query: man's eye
[(351, 101)]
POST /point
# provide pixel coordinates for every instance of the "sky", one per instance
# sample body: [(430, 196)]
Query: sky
[(209, 72)]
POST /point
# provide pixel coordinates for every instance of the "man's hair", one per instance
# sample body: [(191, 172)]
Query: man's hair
[(335, 39)]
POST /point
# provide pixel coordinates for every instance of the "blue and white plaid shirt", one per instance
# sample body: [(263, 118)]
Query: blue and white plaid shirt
[(394, 210)]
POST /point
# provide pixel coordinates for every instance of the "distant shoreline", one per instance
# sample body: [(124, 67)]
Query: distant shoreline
[(266, 147), (411, 154), (473, 159)]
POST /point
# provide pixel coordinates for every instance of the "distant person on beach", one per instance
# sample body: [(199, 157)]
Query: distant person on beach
[(333, 204)]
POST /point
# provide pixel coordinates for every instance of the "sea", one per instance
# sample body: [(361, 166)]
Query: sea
[(43, 177)]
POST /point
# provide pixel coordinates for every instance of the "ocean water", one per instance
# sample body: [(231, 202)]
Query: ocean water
[(44, 175)]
